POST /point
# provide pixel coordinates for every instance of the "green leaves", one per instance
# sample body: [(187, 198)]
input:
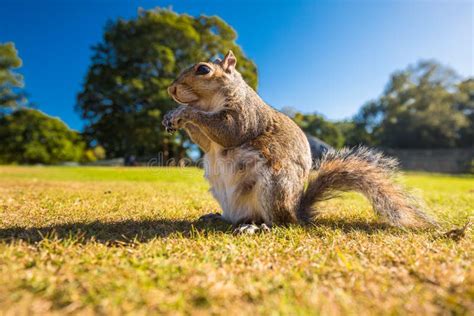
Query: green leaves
[(422, 107), (318, 126), (28, 136), (10, 81)]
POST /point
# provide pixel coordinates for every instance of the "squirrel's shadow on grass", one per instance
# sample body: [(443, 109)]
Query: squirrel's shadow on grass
[(126, 231), (130, 231)]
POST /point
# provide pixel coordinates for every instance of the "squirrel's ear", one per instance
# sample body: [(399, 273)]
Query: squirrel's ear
[(229, 62)]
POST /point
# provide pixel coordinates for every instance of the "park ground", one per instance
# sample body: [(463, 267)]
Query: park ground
[(77, 240)]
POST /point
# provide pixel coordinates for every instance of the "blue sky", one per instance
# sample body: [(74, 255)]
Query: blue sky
[(316, 56)]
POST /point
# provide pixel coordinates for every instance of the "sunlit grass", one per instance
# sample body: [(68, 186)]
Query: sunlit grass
[(115, 240)]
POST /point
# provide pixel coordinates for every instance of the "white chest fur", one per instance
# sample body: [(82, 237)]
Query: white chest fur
[(225, 177)]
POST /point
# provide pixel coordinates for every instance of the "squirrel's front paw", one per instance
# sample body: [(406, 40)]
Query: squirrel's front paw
[(173, 120), (167, 123)]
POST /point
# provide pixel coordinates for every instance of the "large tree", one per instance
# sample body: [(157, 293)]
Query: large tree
[(124, 96), (420, 108), (10, 80)]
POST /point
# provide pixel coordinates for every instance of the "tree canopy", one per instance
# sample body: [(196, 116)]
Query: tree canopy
[(124, 94), (29, 136), (425, 106), (10, 81)]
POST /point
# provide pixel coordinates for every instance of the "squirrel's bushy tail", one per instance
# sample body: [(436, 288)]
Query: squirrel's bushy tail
[(370, 173)]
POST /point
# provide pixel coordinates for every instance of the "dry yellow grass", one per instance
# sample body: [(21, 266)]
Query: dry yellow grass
[(112, 241)]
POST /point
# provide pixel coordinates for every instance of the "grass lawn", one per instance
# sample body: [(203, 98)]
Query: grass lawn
[(117, 240)]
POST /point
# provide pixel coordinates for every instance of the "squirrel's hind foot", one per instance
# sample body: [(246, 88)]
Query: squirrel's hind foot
[(251, 229)]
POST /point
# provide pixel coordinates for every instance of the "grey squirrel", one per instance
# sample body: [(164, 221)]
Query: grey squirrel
[(257, 160)]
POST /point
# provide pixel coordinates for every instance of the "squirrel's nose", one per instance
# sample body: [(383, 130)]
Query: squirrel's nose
[(172, 90)]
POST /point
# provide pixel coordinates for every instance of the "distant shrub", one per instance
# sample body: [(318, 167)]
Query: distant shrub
[(316, 125), (93, 154), (29, 136)]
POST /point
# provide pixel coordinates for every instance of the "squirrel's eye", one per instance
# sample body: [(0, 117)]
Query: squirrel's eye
[(203, 70)]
